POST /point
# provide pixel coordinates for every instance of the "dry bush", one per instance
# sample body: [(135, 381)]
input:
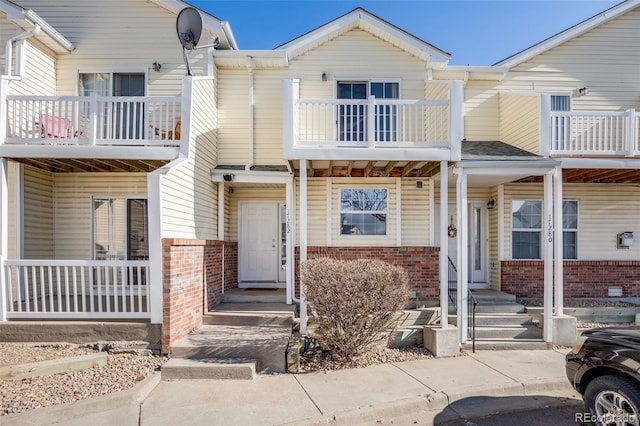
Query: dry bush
[(354, 302)]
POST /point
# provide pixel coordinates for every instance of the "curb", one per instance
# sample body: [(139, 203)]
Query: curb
[(64, 412), (431, 402)]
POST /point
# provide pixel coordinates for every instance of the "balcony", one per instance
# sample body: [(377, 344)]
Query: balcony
[(371, 129), (95, 127), (593, 134)]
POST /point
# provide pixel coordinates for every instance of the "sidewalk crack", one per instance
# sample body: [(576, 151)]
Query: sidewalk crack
[(307, 393)]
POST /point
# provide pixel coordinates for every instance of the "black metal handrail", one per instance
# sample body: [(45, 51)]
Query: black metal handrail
[(453, 282), (472, 302)]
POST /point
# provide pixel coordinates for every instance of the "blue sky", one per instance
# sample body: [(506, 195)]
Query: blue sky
[(474, 32)]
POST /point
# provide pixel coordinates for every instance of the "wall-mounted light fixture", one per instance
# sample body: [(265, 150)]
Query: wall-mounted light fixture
[(491, 204), (157, 66), (231, 190), (583, 91), (227, 178), (324, 76)]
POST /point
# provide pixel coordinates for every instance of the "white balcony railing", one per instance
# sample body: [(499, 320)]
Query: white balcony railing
[(371, 122), (93, 120), (595, 133), (76, 289)]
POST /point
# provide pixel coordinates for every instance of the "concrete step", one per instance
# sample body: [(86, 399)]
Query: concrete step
[(267, 345), (422, 316), (497, 319), (247, 295), (492, 296), (499, 307), (208, 368), (505, 331), (251, 314), (507, 344), (406, 337)]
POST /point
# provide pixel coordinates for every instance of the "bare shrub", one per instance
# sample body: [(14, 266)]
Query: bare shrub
[(353, 302)]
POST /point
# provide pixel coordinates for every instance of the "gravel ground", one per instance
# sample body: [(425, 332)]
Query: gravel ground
[(123, 370), (580, 303)]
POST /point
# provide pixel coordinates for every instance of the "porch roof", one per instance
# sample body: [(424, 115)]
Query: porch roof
[(495, 151)]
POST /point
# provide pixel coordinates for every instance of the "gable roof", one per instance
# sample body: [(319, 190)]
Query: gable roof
[(569, 33), (362, 19), (220, 28), (27, 19)]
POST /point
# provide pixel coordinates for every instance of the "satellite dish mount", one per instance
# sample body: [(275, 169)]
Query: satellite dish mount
[(189, 28)]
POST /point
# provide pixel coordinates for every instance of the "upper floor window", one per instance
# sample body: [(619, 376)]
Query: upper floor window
[(363, 211), (352, 116), (560, 103)]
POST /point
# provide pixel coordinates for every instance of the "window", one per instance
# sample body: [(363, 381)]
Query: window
[(526, 225), (363, 211), (561, 124), (352, 123), (120, 229), (527, 229), (570, 229)]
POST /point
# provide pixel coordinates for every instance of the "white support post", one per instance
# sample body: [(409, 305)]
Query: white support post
[(456, 121), (558, 243), (398, 212), (432, 212), (290, 241), (221, 195), (547, 247), (501, 222), (462, 223), (4, 234), (303, 243), (154, 194), (444, 244), (545, 125), (632, 136)]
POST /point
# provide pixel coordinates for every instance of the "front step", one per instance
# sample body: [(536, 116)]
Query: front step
[(254, 295), (251, 314), (216, 369), (508, 332), (499, 307), (507, 344)]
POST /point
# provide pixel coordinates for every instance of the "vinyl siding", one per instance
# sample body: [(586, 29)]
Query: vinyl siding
[(124, 35), (38, 214), (604, 211), (233, 113), (256, 193), (415, 213), (72, 206), (520, 121), (189, 197)]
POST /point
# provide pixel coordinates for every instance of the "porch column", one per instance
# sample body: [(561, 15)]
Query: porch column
[(558, 243), (303, 243), (444, 244), (547, 247), (221, 195), (154, 194), (291, 240), (463, 255), (4, 234)]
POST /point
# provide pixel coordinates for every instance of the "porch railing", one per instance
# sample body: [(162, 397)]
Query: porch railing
[(472, 304), (452, 275), (76, 289), (371, 122), (595, 133), (93, 120)]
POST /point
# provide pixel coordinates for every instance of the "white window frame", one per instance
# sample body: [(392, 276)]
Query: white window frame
[(538, 230), (573, 230), (111, 72), (113, 197), (385, 212)]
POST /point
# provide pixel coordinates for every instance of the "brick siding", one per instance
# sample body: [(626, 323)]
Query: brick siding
[(580, 278), (183, 289), (421, 264)]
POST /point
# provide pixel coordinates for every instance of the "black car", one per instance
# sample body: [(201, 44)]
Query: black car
[(604, 366)]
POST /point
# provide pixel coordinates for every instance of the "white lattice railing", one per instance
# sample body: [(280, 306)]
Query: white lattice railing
[(76, 289), (371, 122), (595, 133), (93, 120)]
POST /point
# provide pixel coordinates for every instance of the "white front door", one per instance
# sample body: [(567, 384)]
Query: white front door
[(477, 242), (259, 244)]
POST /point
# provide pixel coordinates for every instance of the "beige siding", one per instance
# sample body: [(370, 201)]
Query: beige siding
[(355, 55), (317, 212), (415, 213), (520, 121), (481, 111), (72, 206), (189, 197), (604, 211), (38, 214), (494, 249), (119, 35)]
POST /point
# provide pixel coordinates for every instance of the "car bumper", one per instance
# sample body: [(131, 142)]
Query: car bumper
[(572, 368)]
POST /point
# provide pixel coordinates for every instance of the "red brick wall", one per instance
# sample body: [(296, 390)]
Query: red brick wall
[(421, 264), (184, 284), (525, 278)]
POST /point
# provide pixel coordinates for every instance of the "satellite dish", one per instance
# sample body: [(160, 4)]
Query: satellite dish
[(189, 28)]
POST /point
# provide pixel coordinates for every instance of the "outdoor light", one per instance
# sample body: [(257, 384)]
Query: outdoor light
[(625, 240), (324, 76), (156, 66), (583, 91), (491, 204)]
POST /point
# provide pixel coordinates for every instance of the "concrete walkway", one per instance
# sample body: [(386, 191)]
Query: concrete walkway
[(429, 391)]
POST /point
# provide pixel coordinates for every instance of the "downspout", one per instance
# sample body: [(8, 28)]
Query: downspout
[(251, 107), (9, 49)]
